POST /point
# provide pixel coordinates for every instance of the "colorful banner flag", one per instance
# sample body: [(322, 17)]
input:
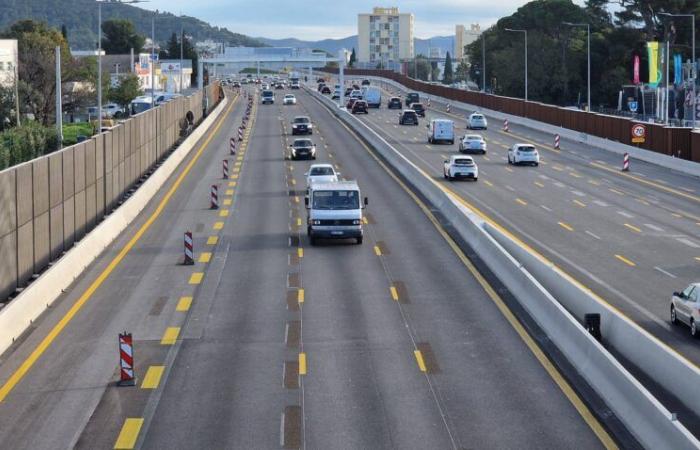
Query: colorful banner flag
[(654, 70), (677, 69), (636, 70)]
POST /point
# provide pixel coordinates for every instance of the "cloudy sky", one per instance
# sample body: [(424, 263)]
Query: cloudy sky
[(320, 19)]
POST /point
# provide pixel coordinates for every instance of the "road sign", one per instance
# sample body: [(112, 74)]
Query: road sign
[(639, 133), (633, 106)]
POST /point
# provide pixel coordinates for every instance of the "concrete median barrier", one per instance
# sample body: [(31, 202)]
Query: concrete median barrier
[(644, 416)]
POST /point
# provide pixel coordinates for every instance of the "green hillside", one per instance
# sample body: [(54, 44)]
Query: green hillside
[(80, 19)]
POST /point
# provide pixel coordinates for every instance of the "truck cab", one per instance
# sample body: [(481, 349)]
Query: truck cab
[(334, 211)]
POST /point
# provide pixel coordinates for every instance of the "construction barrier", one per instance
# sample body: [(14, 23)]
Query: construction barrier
[(240, 134), (214, 194), (447, 108), (225, 168), (189, 249), (126, 360), (626, 162), (505, 125), (556, 141), (233, 146)]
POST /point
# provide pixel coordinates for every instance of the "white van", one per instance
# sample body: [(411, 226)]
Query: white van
[(441, 130), (334, 211), (373, 96)]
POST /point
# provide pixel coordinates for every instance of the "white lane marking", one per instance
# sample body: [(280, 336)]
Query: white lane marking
[(624, 214), (654, 227), (559, 184), (688, 242), (510, 188), (664, 272), (579, 193), (544, 177), (600, 203), (545, 208), (592, 235)]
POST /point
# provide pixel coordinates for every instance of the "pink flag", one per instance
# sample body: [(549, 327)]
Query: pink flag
[(636, 69)]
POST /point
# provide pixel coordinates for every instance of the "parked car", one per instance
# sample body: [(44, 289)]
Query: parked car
[(472, 143), (360, 106), (302, 125), (289, 99), (523, 154), (418, 108), (459, 166), (408, 117), (303, 148), (477, 121), (685, 307), (394, 103), (321, 173)]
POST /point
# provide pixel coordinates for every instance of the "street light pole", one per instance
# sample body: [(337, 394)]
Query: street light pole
[(182, 43), (483, 62), (588, 30), (153, 59), (525, 33), (99, 67)]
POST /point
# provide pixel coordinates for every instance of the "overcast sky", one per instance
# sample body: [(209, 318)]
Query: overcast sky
[(320, 19)]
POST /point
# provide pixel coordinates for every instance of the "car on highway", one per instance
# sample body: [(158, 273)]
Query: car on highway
[(412, 97), (321, 80), (477, 121), (289, 99), (336, 94), (348, 90), (459, 166), (523, 154), (325, 90), (360, 106), (320, 86), (334, 211), (350, 102), (268, 97), (365, 82), (295, 85), (685, 308), (320, 173), (302, 148), (279, 86), (408, 117), (302, 125), (394, 103), (472, 143), (441, 130), (373, 96), (356, 93), (418, 108), (236, 84)]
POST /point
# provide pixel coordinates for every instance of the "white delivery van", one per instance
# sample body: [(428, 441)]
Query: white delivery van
[(373, 96), (441, 130), (334, 211)]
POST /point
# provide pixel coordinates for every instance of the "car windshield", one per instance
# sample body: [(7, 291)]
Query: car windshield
[(473, 138), (463, 162), (320, 171), (409, 113), (301, 120), (336, 200), (267, 94), (303, 143), (526, 148), (412, 96), (288, 96)]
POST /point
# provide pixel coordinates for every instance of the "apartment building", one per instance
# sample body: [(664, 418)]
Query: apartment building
[(465, 37), (8, 61), (385, 36)]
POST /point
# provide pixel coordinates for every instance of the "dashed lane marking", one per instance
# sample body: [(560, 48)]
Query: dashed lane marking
[(227, 202), (170, 336), (129, 433), (212, 240), (302, 363), (394, 293), (566, 226), (152, 378), (218, 225), (580, 203), (183, 305), (521, 201), (205, 257), (196, 278), (625, 260), (223, 213), (300, 296), (419, 360), (633, 228)]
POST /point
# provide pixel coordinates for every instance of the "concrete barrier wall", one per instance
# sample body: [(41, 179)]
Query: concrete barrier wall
[(49, 203), (645, 417)]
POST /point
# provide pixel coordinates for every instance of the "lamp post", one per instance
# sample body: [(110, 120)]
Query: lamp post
[(525, 33), (693, 70), (588, 31), (483, 62)]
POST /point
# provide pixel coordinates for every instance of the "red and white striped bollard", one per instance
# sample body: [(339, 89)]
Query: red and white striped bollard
[(189, 249), (126, 360), (225, 168), (233, 146), (557, 138), (505, 125), (240, 134), (214, 197), (626, 162)]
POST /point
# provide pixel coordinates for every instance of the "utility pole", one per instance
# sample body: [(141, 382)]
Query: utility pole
[(16, 73), (182, 55), (525, 33), (483, 62), (153, 59), (59, 109), (99, 67)]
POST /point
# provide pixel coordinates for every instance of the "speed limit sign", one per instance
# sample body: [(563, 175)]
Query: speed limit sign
[(639, 133)]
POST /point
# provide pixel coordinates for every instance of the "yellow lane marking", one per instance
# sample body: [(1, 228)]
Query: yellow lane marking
[(365, 221), (196, 278), (580, 203), (229, 191), (212, 240), (300, 252), (625, 260), (508, 169), (227, 202), (294, 182), (27, 364), (615, 191), (594, 182), (205, 257), (223, 213), (296, 199), (218, 225), (676, 215), (129, 434), (298, 221), (234, 176), (487, 158), (152, 378), (170, 336), (488, 183), (697, 258), (558, 169), (300, 296), (302, 363), (419, 360), (648, 182), (240, 158), (394, 293), (237, 164), (537, 183), (566, 226), (231, 184), (236, 169), (632, 227), (377, 251), (574, 174), (521, 201), (183, 305), (643, 202)]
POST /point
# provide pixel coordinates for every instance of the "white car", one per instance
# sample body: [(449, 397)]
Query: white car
[(472, 143), (289, 99), (321, 173), (356, 94), (110, 109), (461, 167), (477, 121), (685, 307), (523, 154)]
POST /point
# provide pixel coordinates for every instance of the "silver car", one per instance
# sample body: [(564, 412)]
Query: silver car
[(685, 307), (472, 143), (477, 121)]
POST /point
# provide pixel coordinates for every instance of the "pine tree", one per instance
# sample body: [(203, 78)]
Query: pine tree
[(448, 76), (353, 58)]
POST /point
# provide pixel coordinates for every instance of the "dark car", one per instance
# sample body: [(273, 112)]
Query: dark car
[(356, 87), (408, 117), (320, 86), (268, 97), (412, 97), (302, 148), (350, 103), (302, 125), (321, 80), (279, 86), (418, 108), (394, 103), (360, 106), (365, 82), (325, 90), (348, 91), (236, 84)]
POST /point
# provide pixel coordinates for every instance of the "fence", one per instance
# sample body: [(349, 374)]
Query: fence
[(680, 142), (49, 203)]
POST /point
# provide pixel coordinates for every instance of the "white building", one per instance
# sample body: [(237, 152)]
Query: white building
[(8, 61), (385, 36), (464, 37)]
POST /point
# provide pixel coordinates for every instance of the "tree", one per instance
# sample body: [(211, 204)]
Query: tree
[(419, 68), (462, 71), (64, 32), (353, 58), (120, 37), (448, 73), (127, 90), (172, 51)]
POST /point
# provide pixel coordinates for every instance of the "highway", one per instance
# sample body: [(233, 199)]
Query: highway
[(268, 342), (632, 238)]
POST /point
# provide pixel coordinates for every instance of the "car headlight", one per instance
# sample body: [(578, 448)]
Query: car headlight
[(315, 222), (295, 125), (356, 222)]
